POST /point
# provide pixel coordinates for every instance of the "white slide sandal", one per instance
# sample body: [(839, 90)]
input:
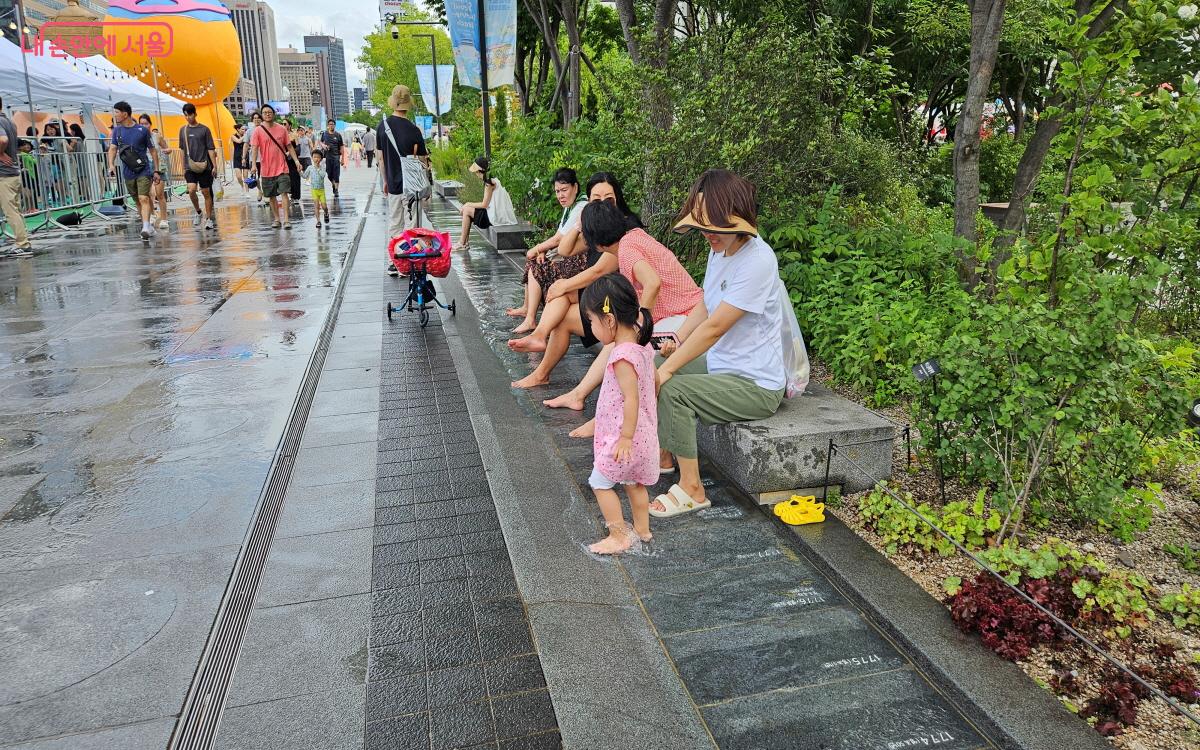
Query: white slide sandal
[(677, 502)]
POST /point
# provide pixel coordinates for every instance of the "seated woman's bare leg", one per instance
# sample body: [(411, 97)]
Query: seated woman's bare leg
[(533, 297), (575, 398), (468, 213), (519, 312), (560, 339), (552, 316)]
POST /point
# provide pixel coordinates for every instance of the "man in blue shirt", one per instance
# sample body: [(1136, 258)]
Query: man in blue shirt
[(127, 132)]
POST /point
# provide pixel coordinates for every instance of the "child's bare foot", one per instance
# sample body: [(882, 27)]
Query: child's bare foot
[(566, 401), (528, 344), (532, 380), (525, 327), (643, 534), (585, 430), (613, 544), (515, 312)]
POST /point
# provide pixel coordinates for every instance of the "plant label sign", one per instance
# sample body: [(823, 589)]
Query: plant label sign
[(926, 370)]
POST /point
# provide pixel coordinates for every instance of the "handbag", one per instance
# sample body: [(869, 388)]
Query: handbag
[(416, 181), (129, 156), (198, 167)]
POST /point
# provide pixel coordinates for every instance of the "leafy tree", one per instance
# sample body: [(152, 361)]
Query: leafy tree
[(395, 60)]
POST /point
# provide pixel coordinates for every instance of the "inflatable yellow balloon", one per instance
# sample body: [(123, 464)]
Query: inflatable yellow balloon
[(193, 44)]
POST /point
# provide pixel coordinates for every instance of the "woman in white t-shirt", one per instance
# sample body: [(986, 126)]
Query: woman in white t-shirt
[(730, 366)]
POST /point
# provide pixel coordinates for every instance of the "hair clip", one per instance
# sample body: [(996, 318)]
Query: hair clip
[(606, 307)]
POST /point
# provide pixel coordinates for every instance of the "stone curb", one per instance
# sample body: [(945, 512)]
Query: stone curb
[(995, 694)]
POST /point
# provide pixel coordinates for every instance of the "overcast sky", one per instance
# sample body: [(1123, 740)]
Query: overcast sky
[(349, 19)]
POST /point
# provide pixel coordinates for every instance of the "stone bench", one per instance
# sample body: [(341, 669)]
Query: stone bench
[(772, 459), (447, 188), (509, 238)]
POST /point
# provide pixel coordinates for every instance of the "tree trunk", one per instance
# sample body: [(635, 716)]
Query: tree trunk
[(571, 25), (987, 20), (658, 102), (1034, 156), (628, 15)]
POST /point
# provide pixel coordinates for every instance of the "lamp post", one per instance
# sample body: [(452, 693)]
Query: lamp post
[(392, 20), (22, 31), (437, 90)]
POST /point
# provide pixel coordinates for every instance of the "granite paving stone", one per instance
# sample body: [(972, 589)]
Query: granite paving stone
[(438, 554)]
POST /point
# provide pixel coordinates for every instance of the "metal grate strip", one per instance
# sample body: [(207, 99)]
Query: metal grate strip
[(200, 717)]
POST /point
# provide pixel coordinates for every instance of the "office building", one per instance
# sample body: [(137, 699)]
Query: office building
[(361, 100), (242, 93), (335, 55), (304, 74), (255, 24)]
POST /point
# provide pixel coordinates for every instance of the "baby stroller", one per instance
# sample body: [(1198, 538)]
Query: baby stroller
[(419, 254)]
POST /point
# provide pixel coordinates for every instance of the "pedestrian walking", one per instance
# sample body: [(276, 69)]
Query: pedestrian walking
[(200, 156), (158, 189), (315, 174), (332, 140), (304, 148), (132, 143), (249, 164), (10, 189), (399, 137), (239, 152), (271, 150), (368, 142), (293, 166)]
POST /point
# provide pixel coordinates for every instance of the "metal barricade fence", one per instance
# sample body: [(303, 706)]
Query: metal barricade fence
[(64, 175)]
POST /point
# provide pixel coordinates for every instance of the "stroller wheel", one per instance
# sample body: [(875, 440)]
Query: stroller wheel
[(389, 310), (453, 307), (424, 316)]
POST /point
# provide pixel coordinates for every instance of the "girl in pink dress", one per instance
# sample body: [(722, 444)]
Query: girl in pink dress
[(626, 439)]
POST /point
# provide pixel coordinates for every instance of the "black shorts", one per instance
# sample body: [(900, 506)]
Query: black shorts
[(481, 218), (203, 179)]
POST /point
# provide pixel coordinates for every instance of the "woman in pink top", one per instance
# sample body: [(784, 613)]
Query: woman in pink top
[(626, 442), (663, 284)]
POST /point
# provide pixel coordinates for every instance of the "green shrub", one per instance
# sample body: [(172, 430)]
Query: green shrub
[(1183, 607), (969, 524)]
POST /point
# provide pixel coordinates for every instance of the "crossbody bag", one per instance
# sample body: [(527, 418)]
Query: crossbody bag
[(197, 167), (411, 169)]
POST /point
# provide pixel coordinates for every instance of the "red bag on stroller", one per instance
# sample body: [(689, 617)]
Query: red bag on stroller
[(421, 240)]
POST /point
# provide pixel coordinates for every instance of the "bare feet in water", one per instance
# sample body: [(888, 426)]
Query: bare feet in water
[(613, 544), (585, 430), (525, 327), (532, 380), (528, 344), (515, 312), (566, 401)]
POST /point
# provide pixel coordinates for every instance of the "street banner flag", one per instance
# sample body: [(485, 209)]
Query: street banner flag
[(445, 80), (463, 16)]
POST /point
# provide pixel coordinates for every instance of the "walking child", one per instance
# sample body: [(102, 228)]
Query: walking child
[(626, 440), (315, 175)]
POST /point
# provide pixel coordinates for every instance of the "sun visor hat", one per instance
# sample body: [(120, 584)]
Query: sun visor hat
[(698, 220)]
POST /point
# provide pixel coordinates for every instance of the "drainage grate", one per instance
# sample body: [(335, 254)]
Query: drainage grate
[(201, 714)]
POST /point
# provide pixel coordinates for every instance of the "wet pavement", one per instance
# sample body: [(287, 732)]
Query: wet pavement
[(144, 387)]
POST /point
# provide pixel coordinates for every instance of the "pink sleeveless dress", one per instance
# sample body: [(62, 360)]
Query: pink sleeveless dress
[(642, 467)]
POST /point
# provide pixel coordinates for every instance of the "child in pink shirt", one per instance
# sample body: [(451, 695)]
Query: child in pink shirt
[(626, 439)]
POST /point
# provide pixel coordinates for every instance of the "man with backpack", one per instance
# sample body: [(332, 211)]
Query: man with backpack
[(132, 143)]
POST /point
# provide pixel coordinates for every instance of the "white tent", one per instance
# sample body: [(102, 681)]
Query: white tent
[(56, 86)]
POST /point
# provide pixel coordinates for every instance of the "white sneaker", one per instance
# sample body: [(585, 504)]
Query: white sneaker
[(210, 224), (196, 220), (163, 224)]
